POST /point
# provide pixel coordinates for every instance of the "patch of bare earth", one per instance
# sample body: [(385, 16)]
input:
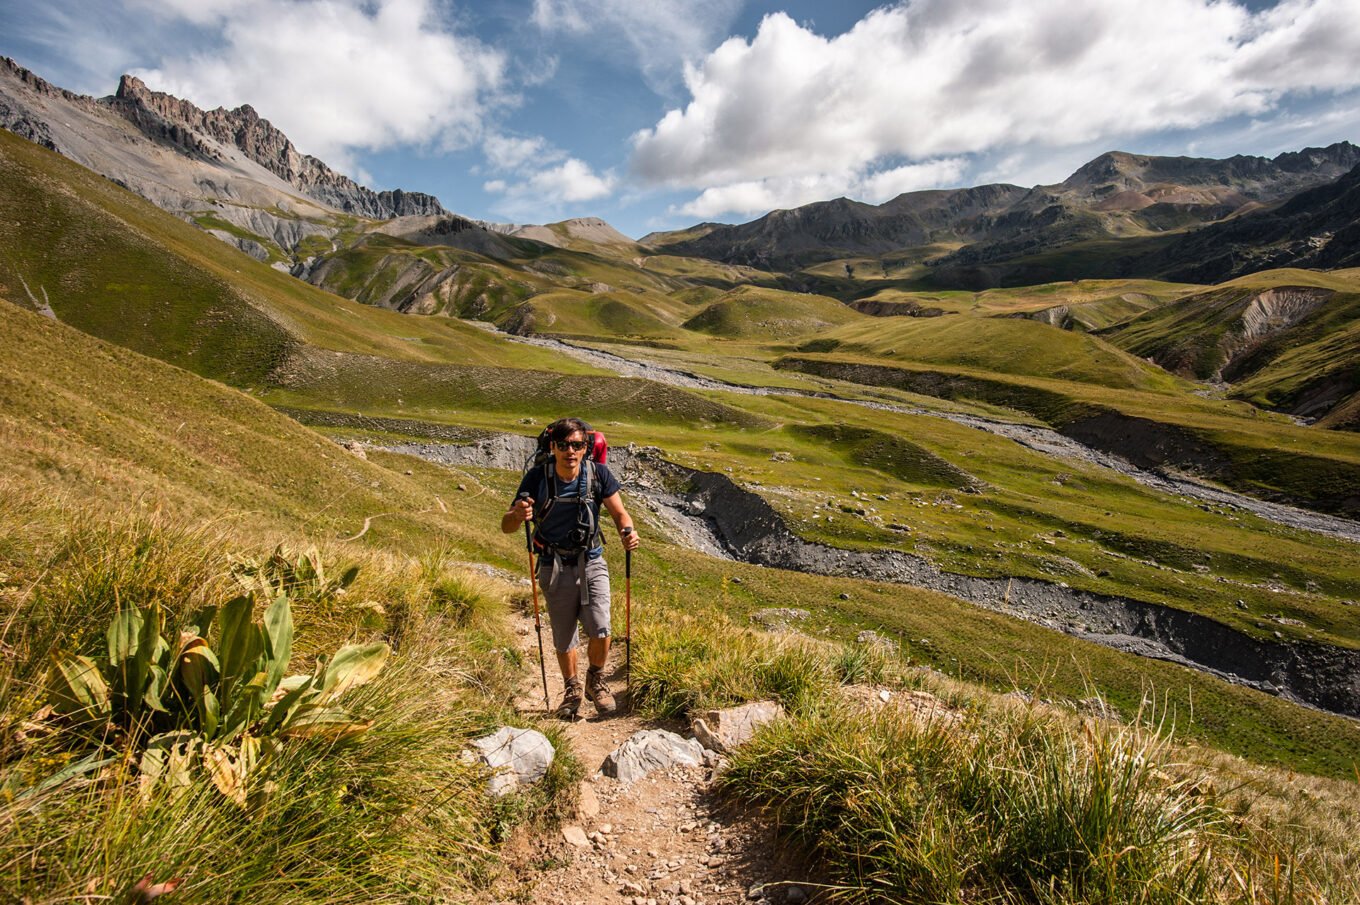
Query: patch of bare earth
[(664, 839)]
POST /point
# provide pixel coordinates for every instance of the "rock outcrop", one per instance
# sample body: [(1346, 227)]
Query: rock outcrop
[(229, 171), (169, 119), (651, 749)]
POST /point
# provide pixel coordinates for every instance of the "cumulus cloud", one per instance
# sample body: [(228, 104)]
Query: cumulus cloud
[(338, 75), (535, 177), (656, 36), (934, 80), (513, 152), (572, 180)]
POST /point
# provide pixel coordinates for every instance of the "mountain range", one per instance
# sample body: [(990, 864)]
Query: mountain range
[(982, 236)]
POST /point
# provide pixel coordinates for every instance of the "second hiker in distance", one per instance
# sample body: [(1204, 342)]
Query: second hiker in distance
[(563, 495)]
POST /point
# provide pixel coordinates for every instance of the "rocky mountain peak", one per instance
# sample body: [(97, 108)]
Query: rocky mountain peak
[(1258, 178), (166, 118)]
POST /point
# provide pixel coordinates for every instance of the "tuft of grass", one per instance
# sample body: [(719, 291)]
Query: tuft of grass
[(691, 664), (1016, 805), (861, 664)]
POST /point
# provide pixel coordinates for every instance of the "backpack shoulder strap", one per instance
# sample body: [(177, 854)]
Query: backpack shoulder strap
[(591, 499)]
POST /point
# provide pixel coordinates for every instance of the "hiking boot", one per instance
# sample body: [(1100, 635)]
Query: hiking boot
[(571, 699), (598, 691)]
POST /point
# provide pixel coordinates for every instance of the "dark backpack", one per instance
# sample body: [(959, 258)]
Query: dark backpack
[(586, 534)]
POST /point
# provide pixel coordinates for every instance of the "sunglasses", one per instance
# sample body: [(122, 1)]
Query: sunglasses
[(565, 445)]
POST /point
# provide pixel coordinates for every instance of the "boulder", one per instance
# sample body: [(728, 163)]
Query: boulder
[(724, 730), (651, 749), (517, 757)]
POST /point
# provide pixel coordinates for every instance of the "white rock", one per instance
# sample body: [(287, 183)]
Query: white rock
[(518, 757), (576, 836), (724, 730), (648, 750)]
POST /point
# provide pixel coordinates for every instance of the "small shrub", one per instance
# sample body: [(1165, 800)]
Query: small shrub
[(299, 575)]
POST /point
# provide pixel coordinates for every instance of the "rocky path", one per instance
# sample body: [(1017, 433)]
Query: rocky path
[(664, 839), (1042, 440)]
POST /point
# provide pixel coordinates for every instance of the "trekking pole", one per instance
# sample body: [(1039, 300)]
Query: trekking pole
[(628, 615), (538, 622)]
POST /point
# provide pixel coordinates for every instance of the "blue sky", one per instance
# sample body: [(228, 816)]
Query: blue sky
[(656, 115)]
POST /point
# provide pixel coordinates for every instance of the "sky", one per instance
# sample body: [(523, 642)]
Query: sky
[(659, 114)]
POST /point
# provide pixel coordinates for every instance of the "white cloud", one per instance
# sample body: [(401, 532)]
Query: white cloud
[(656, 36), (537, 191), (338, 75), (935, 79), (538, 178), (573, 180), (510, 152)]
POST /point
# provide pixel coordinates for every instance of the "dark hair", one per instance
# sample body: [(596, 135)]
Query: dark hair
[(563, 428)]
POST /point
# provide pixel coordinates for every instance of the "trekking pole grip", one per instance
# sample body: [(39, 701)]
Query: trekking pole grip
[(528, 538)]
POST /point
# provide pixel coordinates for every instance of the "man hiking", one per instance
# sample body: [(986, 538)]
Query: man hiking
[(564, 495)]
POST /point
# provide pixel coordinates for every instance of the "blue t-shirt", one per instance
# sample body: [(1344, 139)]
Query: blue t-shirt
[(556, 528)]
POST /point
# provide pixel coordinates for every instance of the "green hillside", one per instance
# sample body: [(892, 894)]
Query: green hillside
[(119, 268), (997, 345), (1287, 340), (749, 312), (1000, 660)]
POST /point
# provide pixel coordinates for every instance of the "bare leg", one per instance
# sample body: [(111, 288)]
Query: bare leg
[(597, 651), (567, 663)]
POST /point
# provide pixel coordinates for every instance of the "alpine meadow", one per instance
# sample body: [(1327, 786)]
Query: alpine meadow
[(985, 543)]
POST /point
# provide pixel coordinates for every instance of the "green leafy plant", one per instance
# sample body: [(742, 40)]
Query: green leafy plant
[(177, 705), (299, 575)]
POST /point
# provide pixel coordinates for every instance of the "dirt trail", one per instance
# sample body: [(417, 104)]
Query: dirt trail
[(661, 840)]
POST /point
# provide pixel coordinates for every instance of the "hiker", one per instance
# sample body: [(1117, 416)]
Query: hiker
[(570, 544)]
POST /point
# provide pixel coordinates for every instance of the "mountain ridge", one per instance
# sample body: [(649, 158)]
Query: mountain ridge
[(161, 115), (228, 171), (1116, 194)]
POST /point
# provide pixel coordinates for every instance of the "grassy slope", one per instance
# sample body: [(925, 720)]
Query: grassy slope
[(1001, 345), (119, 268), (210, 451), (1241, 447), (1034, 516), (464, 394), (1322, 350)]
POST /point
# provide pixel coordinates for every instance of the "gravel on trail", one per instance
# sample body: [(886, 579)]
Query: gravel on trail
[(664, 839)]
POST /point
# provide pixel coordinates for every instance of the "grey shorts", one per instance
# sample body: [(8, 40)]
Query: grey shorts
[(562, 599)]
